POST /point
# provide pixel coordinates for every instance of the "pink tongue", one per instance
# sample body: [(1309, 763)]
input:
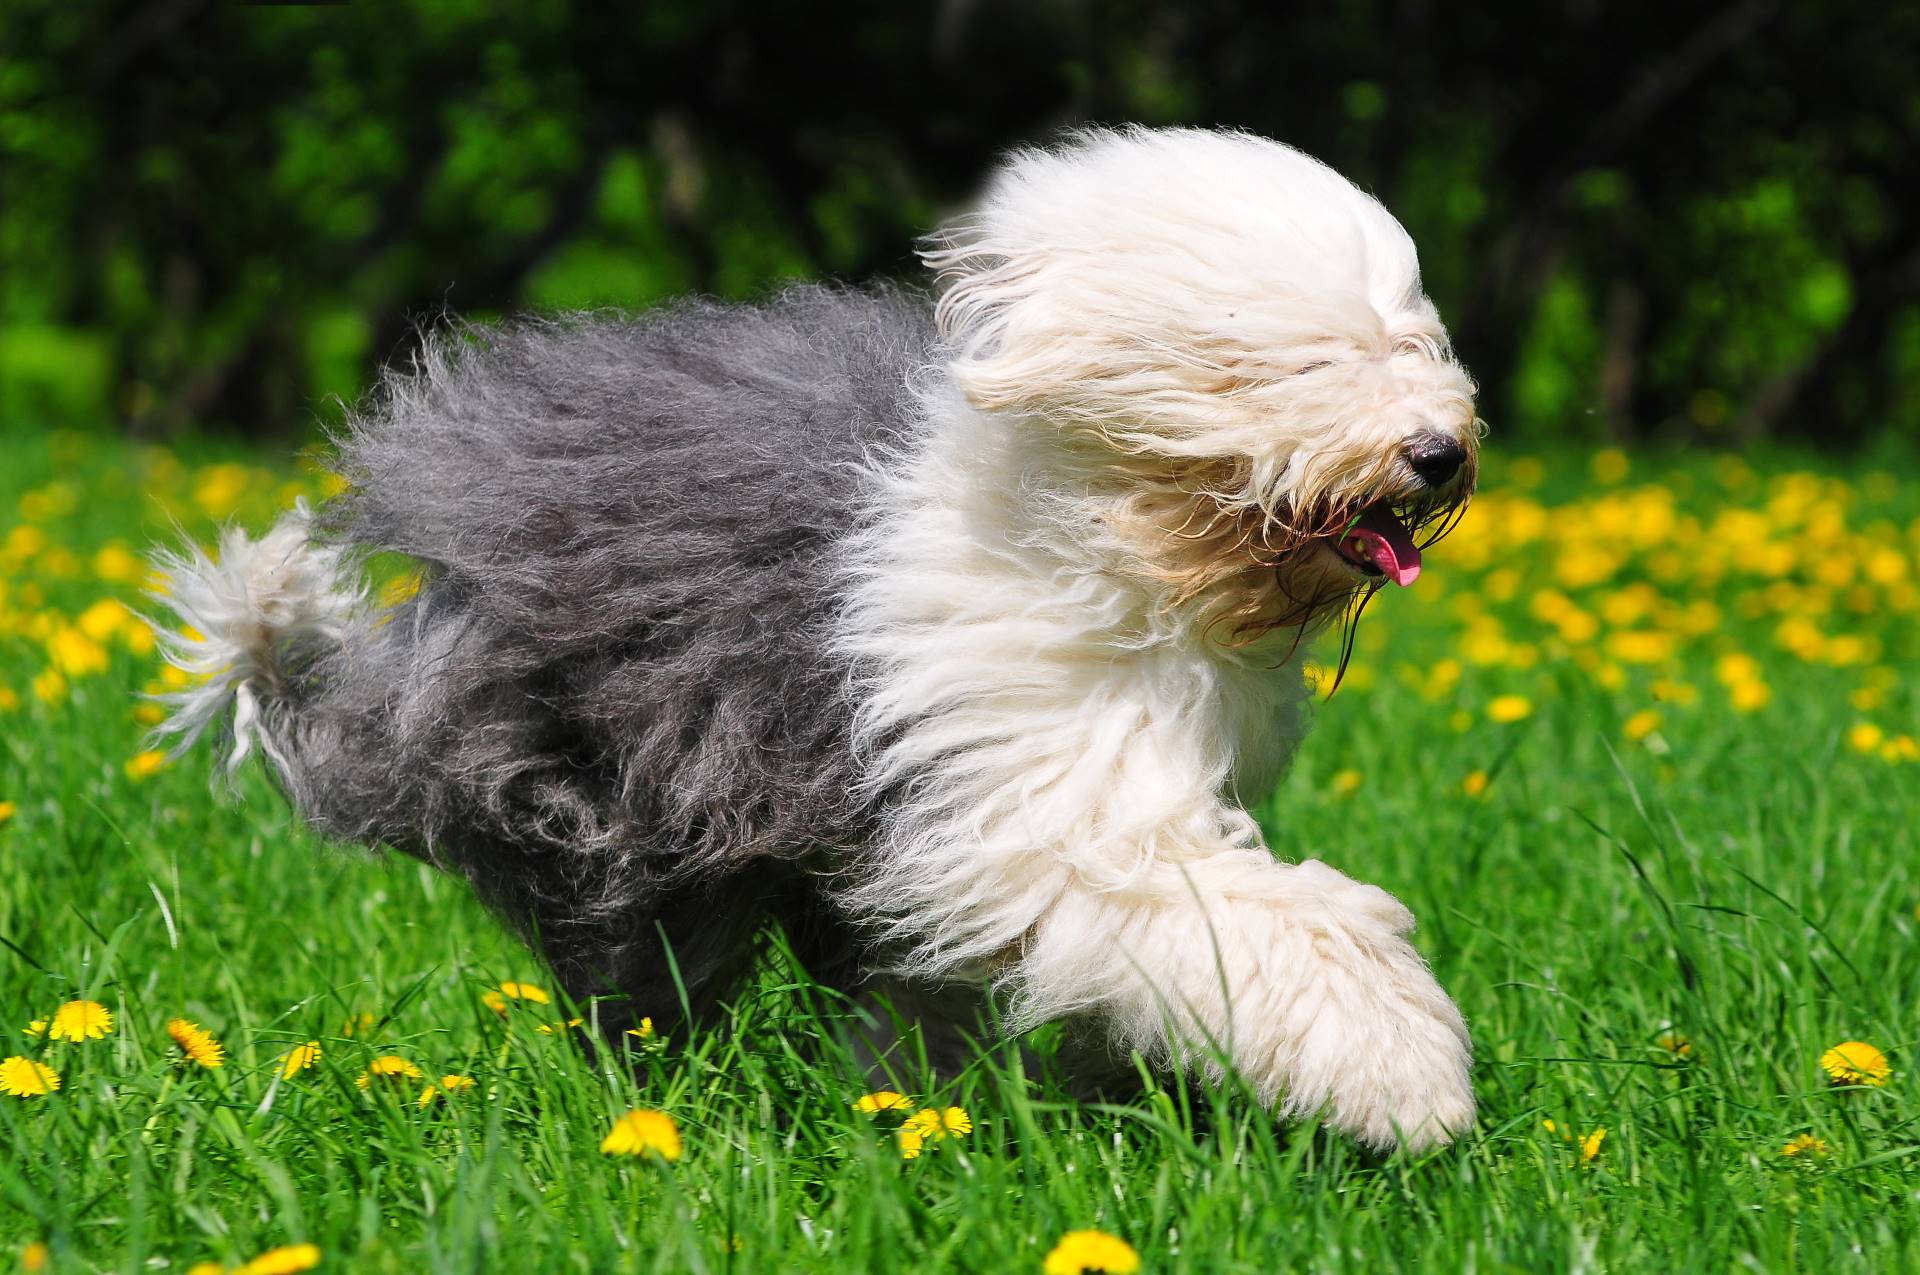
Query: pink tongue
[(1388, 545)]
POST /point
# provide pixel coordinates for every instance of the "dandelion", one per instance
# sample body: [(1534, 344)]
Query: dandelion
[(389, 1069), (81, 1020), (6, 812), (549, 1029), (358, 1025), (1345, 783), (33, 1258), (1609, 465), (643, 1132), (1865, 737), (197, 1043), (1641, 724), (644, 1031), (449, 1085), (38, 1027), (289, 1260), (1589, 1143), (1082, 1252), (1806, 1144), (1854, 1062), (25, 1078), (910, 1140), (1676, 1044), (1475, 784), (146, 765), (299, 1058), (935, 1124), (881, 1100), (1750, 696), (496, 999), (49, 687), (1509, 708)]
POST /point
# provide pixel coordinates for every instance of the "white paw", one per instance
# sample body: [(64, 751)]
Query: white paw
[(1368, 1036)]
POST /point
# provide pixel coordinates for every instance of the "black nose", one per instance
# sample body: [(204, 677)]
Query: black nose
[(1435, 457)]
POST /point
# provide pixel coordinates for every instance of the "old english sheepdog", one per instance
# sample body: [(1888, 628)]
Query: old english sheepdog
[(950, 634)]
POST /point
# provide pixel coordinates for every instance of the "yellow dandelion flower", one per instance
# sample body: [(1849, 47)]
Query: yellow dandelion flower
[(1509, 708), (289, 1260), (1736, 667), (1806, 1144), (116, 564), (25, 1078), (1609, 465), (644, 1031), (197, 1043), (1854, 1062), (1345, 783), (449, 1085), (1750, 696), (299, 1058), (38, 1027), (390, 1069), (206, 1268), (1081, 1252), (149, 714), (105, 618), (7, 809), (496, 999), (910, 1140), (81, 1020), (33, 1258), (9, 700), (1865, 737), (1475, 784), (881, 1100), (1641, 724), (935, 1125), (643, 1132), (49, 687), (75, 654), (1676, 1044), (1589, 1143), (146, 765)]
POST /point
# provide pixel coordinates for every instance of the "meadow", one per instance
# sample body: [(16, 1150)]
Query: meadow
[(1638, 750)]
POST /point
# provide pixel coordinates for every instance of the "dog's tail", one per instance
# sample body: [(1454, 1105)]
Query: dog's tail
[(254, 620)]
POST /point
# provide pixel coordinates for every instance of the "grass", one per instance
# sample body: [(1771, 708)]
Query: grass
[(1688, 828)]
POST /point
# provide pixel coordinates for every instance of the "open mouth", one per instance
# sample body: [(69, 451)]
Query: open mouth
[(1378, 545)]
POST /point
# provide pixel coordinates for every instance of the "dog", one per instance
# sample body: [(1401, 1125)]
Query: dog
[(949, 634)]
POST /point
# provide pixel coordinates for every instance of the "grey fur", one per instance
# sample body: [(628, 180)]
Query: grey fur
[(611, 705)]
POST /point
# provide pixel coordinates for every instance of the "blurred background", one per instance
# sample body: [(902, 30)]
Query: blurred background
[(1682, 222)]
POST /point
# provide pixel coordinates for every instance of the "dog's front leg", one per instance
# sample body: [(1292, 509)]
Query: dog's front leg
[(1299, 976)]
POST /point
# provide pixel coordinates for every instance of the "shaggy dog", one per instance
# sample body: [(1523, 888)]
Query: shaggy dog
[(950, 637)]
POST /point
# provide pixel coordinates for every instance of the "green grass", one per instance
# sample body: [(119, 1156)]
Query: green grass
[(1746, 879)]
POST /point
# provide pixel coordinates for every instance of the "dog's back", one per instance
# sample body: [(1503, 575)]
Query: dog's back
[(615, 672)]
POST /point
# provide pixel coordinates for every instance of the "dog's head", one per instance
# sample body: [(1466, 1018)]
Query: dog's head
[(1238, 335)]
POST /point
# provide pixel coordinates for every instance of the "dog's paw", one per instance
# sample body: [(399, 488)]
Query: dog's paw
[(1367, 1036)]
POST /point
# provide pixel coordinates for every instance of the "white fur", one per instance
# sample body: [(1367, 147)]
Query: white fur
[(1189, 294), (1066, 738), (259, 602)]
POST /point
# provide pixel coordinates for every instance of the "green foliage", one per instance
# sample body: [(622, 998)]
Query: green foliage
[(1586, 884), (1638, 220)]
